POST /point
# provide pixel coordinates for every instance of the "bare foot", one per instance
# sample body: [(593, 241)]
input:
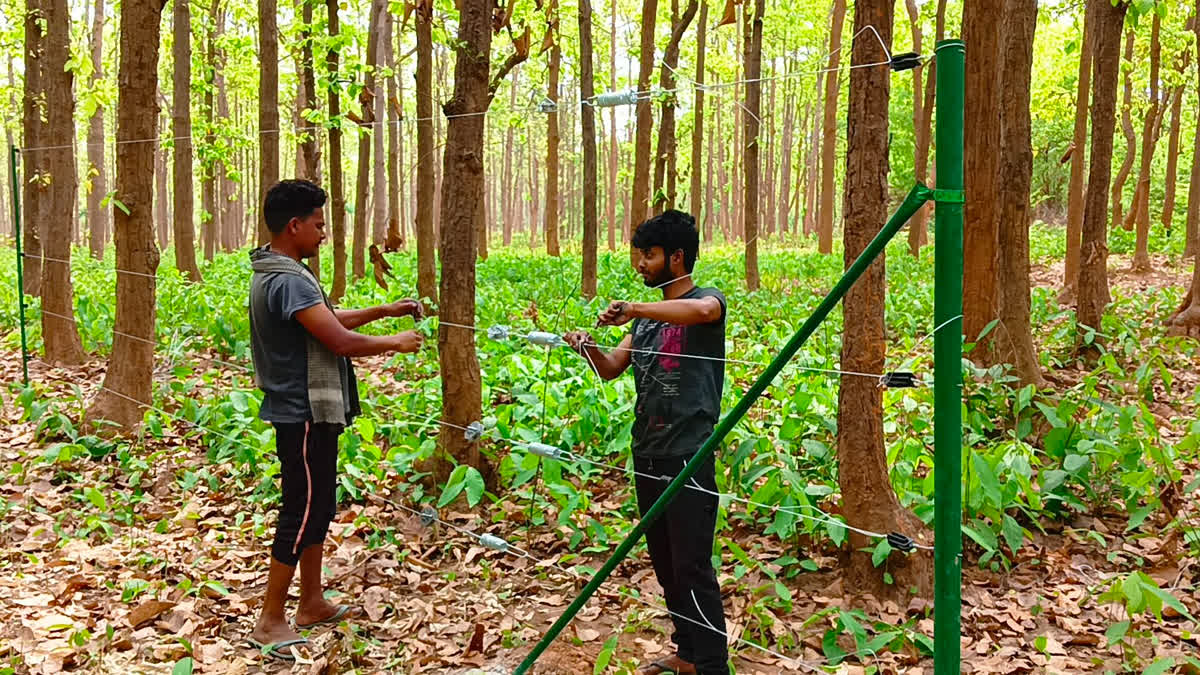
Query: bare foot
[(315, 611), (268, 631)]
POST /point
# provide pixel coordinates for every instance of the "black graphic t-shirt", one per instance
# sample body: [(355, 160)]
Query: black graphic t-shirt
[(678, 398)]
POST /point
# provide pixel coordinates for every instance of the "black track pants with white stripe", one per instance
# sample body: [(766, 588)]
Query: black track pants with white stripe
[(308, 472)]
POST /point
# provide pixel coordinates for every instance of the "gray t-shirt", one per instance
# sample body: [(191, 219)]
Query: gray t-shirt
[(279, 344), (678, 398)]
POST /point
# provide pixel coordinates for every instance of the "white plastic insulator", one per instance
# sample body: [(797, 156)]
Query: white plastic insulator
[(538, 337), (473, 432), (614, 98), (493, 542), (548, 451), (498, 332)]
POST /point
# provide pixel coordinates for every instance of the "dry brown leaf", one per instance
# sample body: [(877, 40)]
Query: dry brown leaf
[(148, 611)]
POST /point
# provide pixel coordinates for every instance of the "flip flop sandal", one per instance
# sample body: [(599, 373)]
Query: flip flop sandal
[(341, 613), (664, 669), (275, 649)]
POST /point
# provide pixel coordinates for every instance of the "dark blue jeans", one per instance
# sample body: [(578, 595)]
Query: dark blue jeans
[(681, 546)]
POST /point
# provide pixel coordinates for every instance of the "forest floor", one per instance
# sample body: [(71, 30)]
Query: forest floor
[(185, 577)]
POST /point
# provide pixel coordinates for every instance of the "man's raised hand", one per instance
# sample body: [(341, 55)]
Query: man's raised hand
[(409, 342), (579, 340), (407, 307), (617, 314)]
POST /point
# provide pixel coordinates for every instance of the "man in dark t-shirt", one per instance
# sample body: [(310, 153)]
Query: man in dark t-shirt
[(301, 347), (677, 350)]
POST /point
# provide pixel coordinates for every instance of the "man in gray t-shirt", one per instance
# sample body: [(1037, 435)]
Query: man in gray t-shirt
[(301, 346), (677, 350)]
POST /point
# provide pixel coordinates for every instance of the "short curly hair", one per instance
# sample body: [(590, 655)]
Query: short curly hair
[(672, 230), (289, 199)]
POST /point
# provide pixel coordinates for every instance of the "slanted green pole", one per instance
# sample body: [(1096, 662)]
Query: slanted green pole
[(947, 360), (915, 199), (16, 204)]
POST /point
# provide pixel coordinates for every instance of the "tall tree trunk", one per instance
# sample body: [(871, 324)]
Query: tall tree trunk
[(917, 236), (829, 133), (697, 204), (208, 176), (552, 133), (1075, 195), (366, 134), (1015, 336), (268, 106), (34, 190), (614, 143), (181, 155), (753, 72), (981, 138), (785, 169), (640, 201), (1193, 207), (1118, 186), (708, 218), (1093, 270), (587, 119), (310, 149), (1141, 201), (815, 175), (868, 499), (226, 209), (509, 198), (97, 219), (127, 383), (396, 229), (1168, 209), (162, 198), (663, 179), (336, 195), (379, 186), (60, 336), (427, 286)]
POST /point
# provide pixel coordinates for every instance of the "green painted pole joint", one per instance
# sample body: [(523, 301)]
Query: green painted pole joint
[(949, 196), (947, 360), (13, 152), (913, 202)]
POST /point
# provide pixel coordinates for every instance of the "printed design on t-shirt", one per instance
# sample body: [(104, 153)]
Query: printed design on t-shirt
[(671, 341)]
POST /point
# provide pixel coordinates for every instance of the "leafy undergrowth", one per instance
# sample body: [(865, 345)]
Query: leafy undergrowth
[(1082, 532)]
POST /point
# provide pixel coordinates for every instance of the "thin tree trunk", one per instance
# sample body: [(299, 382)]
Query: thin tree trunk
[(1118, 186), (640, 201), (208, 177), (709, 216), (309, 149), (981, 164), (1193, 207), (868, 499), (587, 118), (379, 133), (127, 382), (750, 199), (427, 286), (829, 132), (97, 217), (366, 134), (336, 196), (666, 130), (1168, 209), (60, 336), (614, 143), (1141, 201), (181, 155), (552, 135), (225, 186), (509, 199), (396, 230), (1015, 337), (1075, 195), (268, 106), (697, 205), (34, 189), (162, 199), (917, 227), (1093, 271)]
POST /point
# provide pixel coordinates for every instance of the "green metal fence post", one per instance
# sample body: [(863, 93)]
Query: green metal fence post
[(16, 204), (947, 359), (915, 199)]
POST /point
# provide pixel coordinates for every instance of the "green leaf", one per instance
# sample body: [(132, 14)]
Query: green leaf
[(474, 482), (881, 552), (1014, 534), (1116, 632), (1170, 600), (183, 666), (1160, 666), (454, 485), (605, 656), (1074, 463), (96, 498)]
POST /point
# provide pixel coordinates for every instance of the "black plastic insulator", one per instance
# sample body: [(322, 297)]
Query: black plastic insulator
[(899, 380), (905, 61), (901, 542)]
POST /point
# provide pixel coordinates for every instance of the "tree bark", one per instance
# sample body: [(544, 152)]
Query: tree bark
[(1075, 195), (97, 219), (227, 222), (869, 501), (614, 143), (427, 286), (127, 387), (397, 230), (310, 148), (268, 106), (1093, 271), (366, 134), (509, 198), (336, 196), (587, 119), (751, 120), (699, 212), (829, 132), (1141, 200), (1193, 207), (981, 138), (1168, 209), (663, 178), (162, 198), (210, 219), (1014, 334), (917, 236), (60, 336), (379, 186), (552, 133), (640, 202), (34, 187), (464, 183), (181, 155), (1118, 186), (785, 160)]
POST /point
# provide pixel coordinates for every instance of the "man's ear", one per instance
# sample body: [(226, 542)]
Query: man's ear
[(677, 258)]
